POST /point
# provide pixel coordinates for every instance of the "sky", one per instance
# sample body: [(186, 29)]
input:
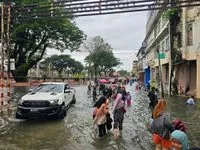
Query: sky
[(124, 32)]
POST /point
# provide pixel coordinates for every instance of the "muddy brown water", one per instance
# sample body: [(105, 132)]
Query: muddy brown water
[(75, 132)]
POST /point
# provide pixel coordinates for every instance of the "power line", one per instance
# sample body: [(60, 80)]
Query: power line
[(91, 12), (79, 2), (94, 8)]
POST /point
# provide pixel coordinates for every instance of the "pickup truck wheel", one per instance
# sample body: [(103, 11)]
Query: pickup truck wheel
[(73, 99), (18, 116), (62, 113), (65, 113)]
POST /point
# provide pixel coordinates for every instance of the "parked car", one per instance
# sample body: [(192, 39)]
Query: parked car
[(50, 99)]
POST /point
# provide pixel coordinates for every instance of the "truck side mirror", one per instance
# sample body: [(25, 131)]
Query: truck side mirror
[(30, 90)]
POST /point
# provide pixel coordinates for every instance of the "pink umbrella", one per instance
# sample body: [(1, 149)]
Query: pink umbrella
[(103, 81)]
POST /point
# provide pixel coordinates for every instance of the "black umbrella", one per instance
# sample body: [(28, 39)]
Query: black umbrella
[(100, 101)]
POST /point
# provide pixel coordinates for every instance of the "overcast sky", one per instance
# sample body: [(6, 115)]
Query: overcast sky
[(125, 33)]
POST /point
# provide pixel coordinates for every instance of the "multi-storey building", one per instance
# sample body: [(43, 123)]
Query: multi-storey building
[(140, 70), (134, 67), (186, 74), (157, 37)]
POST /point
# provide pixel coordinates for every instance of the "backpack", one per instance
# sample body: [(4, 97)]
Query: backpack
[(167, 126), (162, 126)]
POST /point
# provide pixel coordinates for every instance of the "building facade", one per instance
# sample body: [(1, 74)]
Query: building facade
[(134, 67), (140, 70), (186, 72)]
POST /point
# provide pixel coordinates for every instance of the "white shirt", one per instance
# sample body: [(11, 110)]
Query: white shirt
[(89, 82), (190, 101)]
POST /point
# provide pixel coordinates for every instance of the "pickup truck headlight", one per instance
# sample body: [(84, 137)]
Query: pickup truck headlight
[(55, 101), (20, 101)]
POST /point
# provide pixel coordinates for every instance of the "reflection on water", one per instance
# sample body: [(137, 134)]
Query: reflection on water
[(189, 114), (75, 131)]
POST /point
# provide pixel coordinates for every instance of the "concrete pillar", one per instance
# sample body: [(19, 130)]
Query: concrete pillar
[(184, 33), (198, 76), (187, 75)]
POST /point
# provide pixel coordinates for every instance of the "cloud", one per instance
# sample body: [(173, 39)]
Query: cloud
[(125, 33)]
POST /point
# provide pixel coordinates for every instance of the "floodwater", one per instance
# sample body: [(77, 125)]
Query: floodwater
[(75, 132), (190, 115)]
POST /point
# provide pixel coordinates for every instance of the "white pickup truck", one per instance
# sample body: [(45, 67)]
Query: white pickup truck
[(50, 99)]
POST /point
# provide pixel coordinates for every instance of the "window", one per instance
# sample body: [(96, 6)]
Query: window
[(158, 27), (167, 44), (190, 34), (163, 46)]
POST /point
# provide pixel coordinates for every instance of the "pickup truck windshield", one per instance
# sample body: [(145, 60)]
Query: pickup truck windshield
[(55, 88)]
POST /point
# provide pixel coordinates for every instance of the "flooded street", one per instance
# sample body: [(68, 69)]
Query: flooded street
[(188, 114), (75, 131)]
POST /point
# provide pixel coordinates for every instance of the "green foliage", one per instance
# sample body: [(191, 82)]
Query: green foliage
[(21, 73), (30, 1), (44, 76), (64, 62), (176, 56), (101, 56), (97, 43), (170, 13), (175, 87), (133, 74), (30, 38), (153, 83), (76, 67), (124, 73), (79, 75)]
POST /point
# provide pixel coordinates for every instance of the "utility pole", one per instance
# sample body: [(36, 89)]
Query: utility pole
[(170, 56), (160, 71), (2, 56), (8, 50)]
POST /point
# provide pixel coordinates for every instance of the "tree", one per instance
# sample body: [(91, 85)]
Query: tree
[(30, 39), (90, 70), (123, 73), (96, 43), (64, 62), (101, 56), (173, 15)]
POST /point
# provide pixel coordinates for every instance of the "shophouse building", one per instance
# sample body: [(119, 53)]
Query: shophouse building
[(186, 74)]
